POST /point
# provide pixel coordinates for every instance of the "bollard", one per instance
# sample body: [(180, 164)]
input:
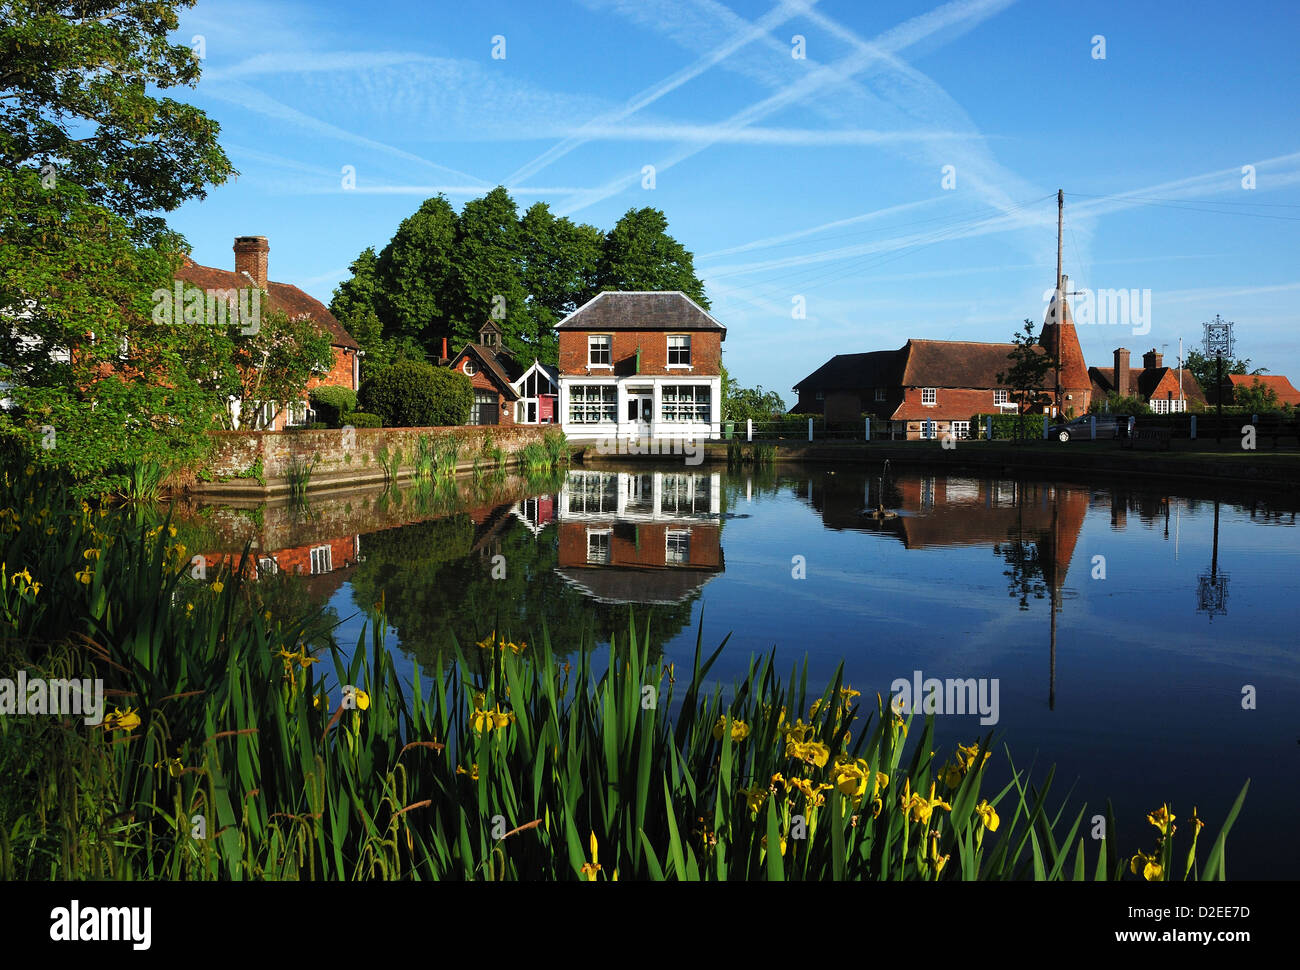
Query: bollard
[(1044, 427), (749, 429), (868, 429), (988, 427), (810, 429), (1092, 428), (1193, 427)]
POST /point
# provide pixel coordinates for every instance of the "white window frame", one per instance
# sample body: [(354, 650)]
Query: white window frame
[(267, 566), (584, 409), (291, 412), (679, 364), (607, 349), (1001, 396), (677, 547), (880, 394), (603, 548), (932, 393), (469, 368), (960, 429), (821, 395), (321, 556), (674, 402)]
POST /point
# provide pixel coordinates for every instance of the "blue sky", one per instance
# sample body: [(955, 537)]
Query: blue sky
[(814, 181)]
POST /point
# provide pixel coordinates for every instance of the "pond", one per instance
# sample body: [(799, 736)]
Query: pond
[(1139, 637)]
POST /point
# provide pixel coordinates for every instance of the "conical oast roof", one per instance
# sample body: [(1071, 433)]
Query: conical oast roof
[(1060, 337)]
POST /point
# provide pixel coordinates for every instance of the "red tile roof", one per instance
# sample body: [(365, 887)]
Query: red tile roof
[(283, 296), (1286, 394)]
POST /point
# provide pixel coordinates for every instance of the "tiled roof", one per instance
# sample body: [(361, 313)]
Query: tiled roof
[(1286, 394), (1142, 382), (880, 368), (1064, 337), (283, 296), (499, 363), (640, 310), (955, 363)]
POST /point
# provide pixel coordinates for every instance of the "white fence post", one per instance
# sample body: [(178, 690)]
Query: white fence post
[(749, 429), (1092, 428), (988, 427), (868, 429), (1193, 428), (810, 429), (1045, 427)]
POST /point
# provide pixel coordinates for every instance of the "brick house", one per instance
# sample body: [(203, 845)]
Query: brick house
[(505, 391), (1159, 386), (642, 364), (252, 254), (929, 388), (1286, 393), (925, 389)]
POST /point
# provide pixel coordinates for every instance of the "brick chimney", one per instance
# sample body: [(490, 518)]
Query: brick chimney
[(252, 254), (1152, 359), (1121, 371)]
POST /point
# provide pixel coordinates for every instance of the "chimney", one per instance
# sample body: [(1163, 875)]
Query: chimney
[(1121, 371), (445, 358), (251, 256), (1152, 359)]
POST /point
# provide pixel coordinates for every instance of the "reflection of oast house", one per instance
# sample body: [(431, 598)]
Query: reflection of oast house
[(252, 254), (952, 510), (639, 537)]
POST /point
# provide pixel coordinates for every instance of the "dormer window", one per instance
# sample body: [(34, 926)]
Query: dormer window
[(929, 395), (470, 369), (490, 335)]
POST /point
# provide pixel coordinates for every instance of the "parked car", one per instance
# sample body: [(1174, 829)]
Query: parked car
[(1108, 426)]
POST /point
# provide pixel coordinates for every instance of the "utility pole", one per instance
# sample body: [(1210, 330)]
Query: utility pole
[(1060, 298)]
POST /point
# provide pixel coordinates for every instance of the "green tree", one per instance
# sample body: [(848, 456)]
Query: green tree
[(94, 386), (752, 403), (411, 394), (1119, 404), (638, 254), (487, 274), (1258, 398), (560, 260), (1204, 369), (1030, 365), (76, 99), (414, 273)]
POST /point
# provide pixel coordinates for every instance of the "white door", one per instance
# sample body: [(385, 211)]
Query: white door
[(640, 409)]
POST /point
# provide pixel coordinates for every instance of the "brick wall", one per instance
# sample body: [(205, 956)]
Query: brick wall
[(706, 353), (236, 452), (480, 381)]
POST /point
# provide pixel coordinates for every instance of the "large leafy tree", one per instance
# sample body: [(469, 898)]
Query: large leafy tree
[(77, 99), (93, 386), (560, 261), (487, 277), (1205, 370), (357, 304), (414, 270), (638, 254)]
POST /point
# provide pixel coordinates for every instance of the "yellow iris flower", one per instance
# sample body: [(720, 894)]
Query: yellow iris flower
[(1162, 819), (739, 730), (120, 720), (988, 815)]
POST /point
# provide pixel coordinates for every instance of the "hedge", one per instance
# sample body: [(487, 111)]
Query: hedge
[(331, 402), (413, 394), (1007, 425), (362, 419)]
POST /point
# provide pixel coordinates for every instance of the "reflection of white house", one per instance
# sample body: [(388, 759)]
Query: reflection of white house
[(640, 496), (641, 365)]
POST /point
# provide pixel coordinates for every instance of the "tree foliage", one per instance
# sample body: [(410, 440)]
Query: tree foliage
[(748, 403), (78, 78), (1258, 398), (1027, 376), (413, 394), (444, 274)]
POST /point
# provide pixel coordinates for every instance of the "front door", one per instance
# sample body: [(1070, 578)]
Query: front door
[(640, 409)]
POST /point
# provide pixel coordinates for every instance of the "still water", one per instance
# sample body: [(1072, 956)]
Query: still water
[(1142, 638)]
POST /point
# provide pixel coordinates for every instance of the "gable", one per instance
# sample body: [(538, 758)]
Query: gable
[(641, 310)]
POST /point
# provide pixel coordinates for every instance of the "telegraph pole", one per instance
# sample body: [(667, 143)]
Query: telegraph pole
[(1060, 299)]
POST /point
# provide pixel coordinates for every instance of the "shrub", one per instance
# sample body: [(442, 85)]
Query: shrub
[(362, 419), (331, 402), (411, 394), (1007, 425)]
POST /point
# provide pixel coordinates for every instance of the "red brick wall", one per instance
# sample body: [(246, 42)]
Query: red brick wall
[(705, 550), (706, 353)]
